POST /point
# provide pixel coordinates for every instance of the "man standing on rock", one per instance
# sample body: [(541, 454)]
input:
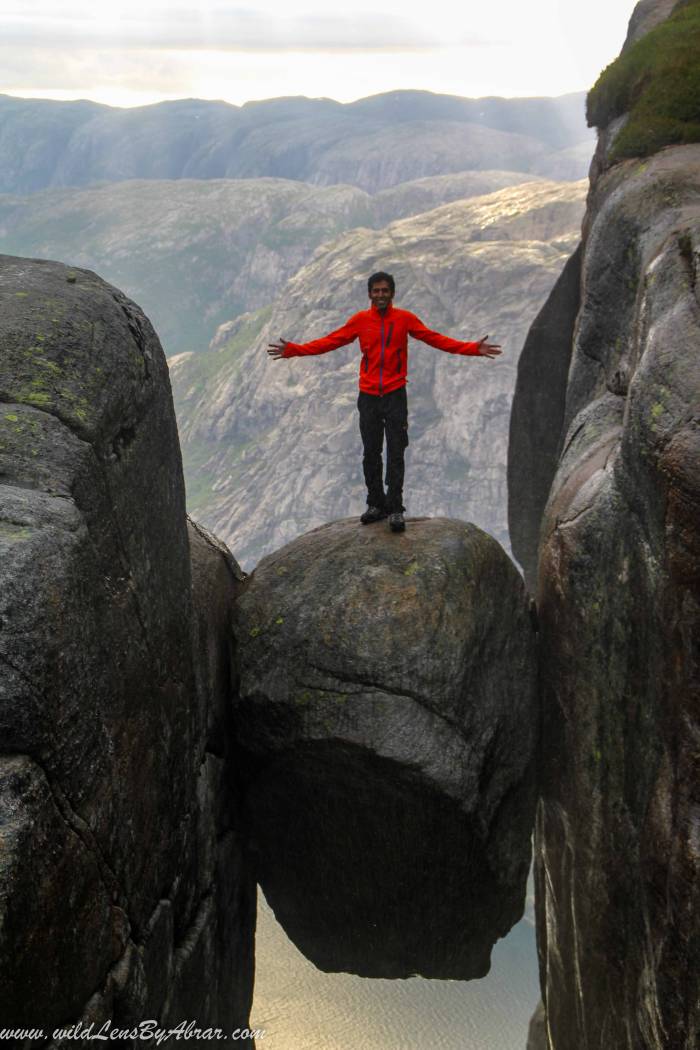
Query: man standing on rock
[(383, 332)]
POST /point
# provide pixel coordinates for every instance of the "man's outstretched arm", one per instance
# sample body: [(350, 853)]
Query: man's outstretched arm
[(340, 337), (480, 348)]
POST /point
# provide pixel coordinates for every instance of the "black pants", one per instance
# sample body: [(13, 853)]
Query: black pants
[(380, 415)]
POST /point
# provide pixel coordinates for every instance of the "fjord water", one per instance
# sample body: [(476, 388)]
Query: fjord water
[(301, 1008)]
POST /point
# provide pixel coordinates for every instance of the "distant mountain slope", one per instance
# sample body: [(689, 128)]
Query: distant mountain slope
[(195, 253), (192, 253), (272, 449), (373, 143), (411, 198)]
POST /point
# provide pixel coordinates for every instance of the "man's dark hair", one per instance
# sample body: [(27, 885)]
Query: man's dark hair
[(381, 276)]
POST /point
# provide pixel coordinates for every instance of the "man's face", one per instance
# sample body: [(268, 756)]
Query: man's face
[(381, 295)]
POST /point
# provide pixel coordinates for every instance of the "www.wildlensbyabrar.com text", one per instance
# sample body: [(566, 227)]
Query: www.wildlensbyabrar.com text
[(145, 1031)]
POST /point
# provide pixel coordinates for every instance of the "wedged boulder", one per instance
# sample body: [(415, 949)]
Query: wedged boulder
[(388, 708)]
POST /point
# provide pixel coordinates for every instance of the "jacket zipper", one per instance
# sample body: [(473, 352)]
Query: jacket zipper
[(381, 356), (388, 343), (385, 346)]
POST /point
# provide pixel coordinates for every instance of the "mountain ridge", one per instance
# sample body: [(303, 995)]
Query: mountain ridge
[(45, 143)]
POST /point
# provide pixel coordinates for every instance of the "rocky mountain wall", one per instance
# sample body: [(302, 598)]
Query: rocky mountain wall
[(124, 889), (619, 609), (609, 539)]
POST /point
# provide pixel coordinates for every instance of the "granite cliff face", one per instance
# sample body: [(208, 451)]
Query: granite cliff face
[(614, 461), (387, 704), (619, 607), (124, 892), (272, 448)]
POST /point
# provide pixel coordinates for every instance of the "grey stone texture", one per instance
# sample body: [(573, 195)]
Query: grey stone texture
[(537, 415), (123, 867), (619, 609), (388, 708), (647, 15)]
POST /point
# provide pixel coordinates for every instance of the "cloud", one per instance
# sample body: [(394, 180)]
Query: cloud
[(129, 52), (213, 29), (89, 73)]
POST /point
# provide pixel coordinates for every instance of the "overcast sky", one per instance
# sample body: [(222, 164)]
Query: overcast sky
[(131, 52)]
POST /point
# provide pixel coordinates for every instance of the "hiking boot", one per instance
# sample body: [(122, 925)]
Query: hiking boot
[(396, 521), (373, 514)]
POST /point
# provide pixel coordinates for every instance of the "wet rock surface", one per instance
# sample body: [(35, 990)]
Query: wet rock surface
[(118, 875), (388, 710)]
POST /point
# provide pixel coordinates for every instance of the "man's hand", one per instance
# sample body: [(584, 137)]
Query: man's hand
[(488, 349), (276, 350)]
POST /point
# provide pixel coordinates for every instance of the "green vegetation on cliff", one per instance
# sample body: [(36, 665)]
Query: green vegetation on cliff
[(658, 82)]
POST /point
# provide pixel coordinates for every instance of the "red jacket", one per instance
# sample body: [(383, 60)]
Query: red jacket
[(384, 345)]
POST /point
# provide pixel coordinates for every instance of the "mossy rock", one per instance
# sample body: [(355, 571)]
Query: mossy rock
[(656, 81)]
